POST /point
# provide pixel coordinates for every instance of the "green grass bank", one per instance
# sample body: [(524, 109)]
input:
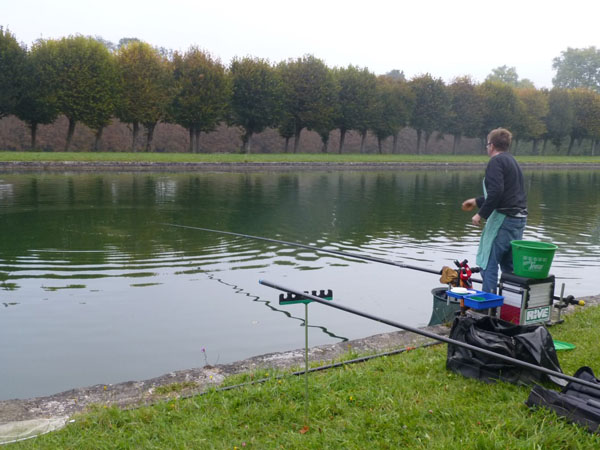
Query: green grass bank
[(408, 400), (229, 158)]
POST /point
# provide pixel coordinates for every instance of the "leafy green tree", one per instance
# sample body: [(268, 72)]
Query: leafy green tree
[(586, 123), (38, 103), (534, 108), (309, 94), (396, 74), (12, 66), (466, 109), (356, 95), (577, 68), (508, 75), (559, 120), (123, 42), (394, 102), (83, 73), (500, 106), (202, 94), (432, 106), (145, 88), (256, 97), (110, 46)]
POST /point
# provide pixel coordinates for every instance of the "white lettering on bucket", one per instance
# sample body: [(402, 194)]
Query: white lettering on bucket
[(534, 263)]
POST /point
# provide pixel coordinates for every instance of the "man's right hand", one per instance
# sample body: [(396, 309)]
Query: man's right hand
[(469, 205)]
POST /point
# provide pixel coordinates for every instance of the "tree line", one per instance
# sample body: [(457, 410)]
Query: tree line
[(90, 81)]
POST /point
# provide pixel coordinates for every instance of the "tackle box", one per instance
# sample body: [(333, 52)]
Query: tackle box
[(483, 300), (478, 299)]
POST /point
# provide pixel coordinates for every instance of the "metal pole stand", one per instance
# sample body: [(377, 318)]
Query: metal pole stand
[(306, 364), (290, 299)]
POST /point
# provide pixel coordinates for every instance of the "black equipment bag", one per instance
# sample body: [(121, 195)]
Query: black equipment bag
[(576, 403), (529, 343)]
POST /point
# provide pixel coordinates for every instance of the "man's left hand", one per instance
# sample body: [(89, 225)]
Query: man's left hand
[(476, 220)]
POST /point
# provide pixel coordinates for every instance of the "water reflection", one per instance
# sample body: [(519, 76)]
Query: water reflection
[(96, 290)]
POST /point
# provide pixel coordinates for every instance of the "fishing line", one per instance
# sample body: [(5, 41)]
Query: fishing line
[(310, 247), (346, 254), (256, 298)]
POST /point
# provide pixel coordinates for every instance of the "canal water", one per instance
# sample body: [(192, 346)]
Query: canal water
[(95, 288)]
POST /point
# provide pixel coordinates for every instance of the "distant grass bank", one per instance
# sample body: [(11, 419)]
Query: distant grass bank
[(284, 158), (402, 401)]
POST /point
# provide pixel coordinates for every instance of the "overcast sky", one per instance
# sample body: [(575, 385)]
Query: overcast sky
[(444, 38)]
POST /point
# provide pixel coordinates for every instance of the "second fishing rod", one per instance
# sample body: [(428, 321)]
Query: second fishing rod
[(333, 252), (311, 247)]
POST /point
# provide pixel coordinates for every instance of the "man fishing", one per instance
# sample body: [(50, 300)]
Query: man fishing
[(503, 205)]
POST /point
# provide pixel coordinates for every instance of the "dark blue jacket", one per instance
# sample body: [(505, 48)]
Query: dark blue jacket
[(505, 187)]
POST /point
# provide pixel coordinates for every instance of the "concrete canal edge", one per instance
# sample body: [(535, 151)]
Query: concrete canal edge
[(23, 418), (18, 413)]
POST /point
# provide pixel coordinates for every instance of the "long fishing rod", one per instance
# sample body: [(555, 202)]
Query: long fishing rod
[(569, 300), (429, 334), (312, 247)]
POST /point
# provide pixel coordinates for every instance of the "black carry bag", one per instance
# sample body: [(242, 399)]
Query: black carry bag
[(576, 403), (529, 343)]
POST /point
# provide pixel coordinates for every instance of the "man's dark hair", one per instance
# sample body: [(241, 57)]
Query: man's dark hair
[(500, 138)]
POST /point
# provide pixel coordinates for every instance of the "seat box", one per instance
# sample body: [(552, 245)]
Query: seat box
[(526, 300)]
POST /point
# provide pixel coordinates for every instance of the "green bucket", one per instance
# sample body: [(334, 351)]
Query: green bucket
[(532, 259)]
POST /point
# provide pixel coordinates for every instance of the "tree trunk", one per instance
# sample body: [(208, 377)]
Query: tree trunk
[(419, 132), (98, 136), (197, 141), (287, 144), (342, 139), (534, 148), (455, 143), (191, 133), (594, 146), (571, 142), (325, 141), (33, 128), (297, 139), (544, 144), (427, 137), (395, 145), (136, 132), (70, 133), (363, 140), (149, 135), (514, 149), (246, 142)]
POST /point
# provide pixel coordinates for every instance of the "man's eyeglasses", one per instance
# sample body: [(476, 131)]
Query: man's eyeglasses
[(488, 144)]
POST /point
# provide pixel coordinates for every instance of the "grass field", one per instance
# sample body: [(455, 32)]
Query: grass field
[(408, 400), (279, 158)]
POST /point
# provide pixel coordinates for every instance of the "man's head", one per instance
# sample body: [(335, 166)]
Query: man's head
[(500, 139)]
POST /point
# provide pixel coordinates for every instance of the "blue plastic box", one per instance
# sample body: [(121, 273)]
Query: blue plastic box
[(483, 300)]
